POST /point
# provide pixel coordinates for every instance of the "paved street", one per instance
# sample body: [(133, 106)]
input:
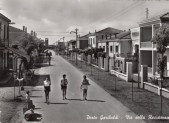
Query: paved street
[(74, 110)]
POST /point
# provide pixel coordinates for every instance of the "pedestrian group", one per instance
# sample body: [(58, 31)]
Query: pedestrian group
[(64, 83)]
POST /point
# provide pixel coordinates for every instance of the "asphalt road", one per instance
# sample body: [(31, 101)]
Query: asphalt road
[(99, 105)]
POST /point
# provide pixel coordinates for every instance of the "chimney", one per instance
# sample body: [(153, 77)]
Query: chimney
[(34, 34), (95, 30), (89, 32), (31, 32), (24, 28)]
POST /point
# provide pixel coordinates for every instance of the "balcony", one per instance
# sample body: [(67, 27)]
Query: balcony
[(146, 44)]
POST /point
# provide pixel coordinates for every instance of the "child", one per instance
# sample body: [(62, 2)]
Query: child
[(47, 84), (27, 96), (29, 102), (84, 86), (64, 84)]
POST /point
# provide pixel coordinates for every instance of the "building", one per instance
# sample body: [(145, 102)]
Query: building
[(102, 35), (103, 39), (148, 51), (71, 45), (82, 42), (4, 43)]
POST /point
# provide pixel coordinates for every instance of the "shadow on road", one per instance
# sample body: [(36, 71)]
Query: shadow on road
[(86, 100), (37, 90), (75, 99), (36, 96), (57, 103), (37, 108), (96, 100)]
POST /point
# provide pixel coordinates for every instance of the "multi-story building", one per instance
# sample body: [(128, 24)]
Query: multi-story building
[(148, 51), (4, 43), (104, 38)]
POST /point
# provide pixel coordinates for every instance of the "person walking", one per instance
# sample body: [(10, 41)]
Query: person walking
[(84, 87), (47, 84), (64, 84)]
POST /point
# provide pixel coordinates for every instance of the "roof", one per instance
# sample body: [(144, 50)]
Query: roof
[(71, 41), (156, 18), (85, 37), (123, 36), (108, 30), (15, 35), (5, 18), (14, 29)]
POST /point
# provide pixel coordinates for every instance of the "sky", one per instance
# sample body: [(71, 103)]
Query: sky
[(54, 19)]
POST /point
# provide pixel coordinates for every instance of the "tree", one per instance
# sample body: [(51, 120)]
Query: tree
[(161, 39)]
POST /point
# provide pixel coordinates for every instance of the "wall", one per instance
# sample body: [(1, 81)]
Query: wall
[(146, 58), (3, 22), (83, 44), (146, 34), (91, 42), (126, 47), (111, 53), (101, 45), (167, 52)]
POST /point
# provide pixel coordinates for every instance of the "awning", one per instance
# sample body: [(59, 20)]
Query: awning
[(19, 53)]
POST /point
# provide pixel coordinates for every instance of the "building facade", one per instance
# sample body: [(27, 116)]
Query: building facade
[(4, 43), (148, 51)]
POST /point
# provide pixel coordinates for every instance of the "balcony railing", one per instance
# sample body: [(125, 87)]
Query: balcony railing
[(146, 44)]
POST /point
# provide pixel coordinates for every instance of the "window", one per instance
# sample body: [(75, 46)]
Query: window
[(4, 32), (93, 40), (104, 48), (111, 49), (117, 49), (102, 36), (106, 36)]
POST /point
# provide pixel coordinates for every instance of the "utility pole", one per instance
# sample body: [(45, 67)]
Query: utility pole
[(147, 13), (76, 32)]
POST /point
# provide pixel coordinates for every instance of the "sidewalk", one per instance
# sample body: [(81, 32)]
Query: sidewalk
[(144, 103)]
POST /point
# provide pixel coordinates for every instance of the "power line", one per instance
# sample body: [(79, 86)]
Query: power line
[(125, 10)]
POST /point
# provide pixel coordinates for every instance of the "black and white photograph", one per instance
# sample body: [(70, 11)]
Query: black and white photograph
[(84, 61)]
